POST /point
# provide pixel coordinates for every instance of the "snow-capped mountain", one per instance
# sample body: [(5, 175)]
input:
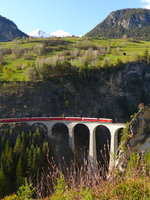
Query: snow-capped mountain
[(41, 34), (59, 33), (38, 34)]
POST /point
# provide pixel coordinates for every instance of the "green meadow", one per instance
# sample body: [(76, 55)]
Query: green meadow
[(20, 58)]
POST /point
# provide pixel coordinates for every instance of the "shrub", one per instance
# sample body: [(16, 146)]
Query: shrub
[(39, 50), (18, 52), (132, 190), (59, 188), (75, 53), (4, 51), (25, 192), (86, 194), (133, 165), (107, 62), (147, 161), (145, 55), (10, 197), (8, 72), (119, 62), (62, 192), (31, 73), (125, 135), (28, 56)]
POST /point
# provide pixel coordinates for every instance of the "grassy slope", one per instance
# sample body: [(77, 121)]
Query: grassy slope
[(21, 53)]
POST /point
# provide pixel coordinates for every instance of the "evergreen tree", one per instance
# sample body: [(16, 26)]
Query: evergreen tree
[(3, 184), (20, 173), (35, 163), (29, 160), (7, 146), (22, 155), (10, 163), (39, 158), (44, 153), (3, 142), (17, 148), (7, 165)]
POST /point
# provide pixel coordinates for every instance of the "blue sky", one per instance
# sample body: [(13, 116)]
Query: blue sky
[(74, 16)]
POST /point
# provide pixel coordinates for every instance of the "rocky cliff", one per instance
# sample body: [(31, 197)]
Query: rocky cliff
[(113, 93), (134, 23), (9, 30), (136, 139)]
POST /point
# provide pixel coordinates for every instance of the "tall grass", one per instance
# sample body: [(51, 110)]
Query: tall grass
[(74, 177), (80, 183)]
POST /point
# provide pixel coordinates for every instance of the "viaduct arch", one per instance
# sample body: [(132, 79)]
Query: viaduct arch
[(81, 134), (87, 138), (103, 141)]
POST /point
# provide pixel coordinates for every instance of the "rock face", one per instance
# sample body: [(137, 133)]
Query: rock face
[(140, 130), (138, 139), (134, 23), (8, 30), (114, 93), (129, 18)]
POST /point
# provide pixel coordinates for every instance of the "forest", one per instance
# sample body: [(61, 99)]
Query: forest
[(22, 155)]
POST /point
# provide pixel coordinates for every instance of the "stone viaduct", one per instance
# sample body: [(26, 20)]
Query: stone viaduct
[(91, 134)]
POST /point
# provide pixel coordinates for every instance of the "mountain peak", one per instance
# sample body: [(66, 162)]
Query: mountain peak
[(60, 33), (41, 34), (9, 30), (37, 33), (133, 23)]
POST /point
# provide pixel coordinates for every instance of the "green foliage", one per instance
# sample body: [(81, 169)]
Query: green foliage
[(147, 161), (62, 192), (128, 189), (86, 194), (25, 192), (17, 148), (3, 183), (60, 188), (19, 173), (133, 164), (133, 116), (132, 190), (125, 135), (10, 197), (119, 62), (21, 155)]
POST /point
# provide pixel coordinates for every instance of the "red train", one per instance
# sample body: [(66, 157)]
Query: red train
[(26, 119)]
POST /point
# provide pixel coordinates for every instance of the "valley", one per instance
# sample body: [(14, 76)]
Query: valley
[(75, 111)]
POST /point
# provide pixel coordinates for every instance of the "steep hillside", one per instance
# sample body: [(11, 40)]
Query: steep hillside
[(113, 93), (134, 23), (9, 30), (136, 139)]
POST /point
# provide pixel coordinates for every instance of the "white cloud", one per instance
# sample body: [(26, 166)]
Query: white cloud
[(146, 3)]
